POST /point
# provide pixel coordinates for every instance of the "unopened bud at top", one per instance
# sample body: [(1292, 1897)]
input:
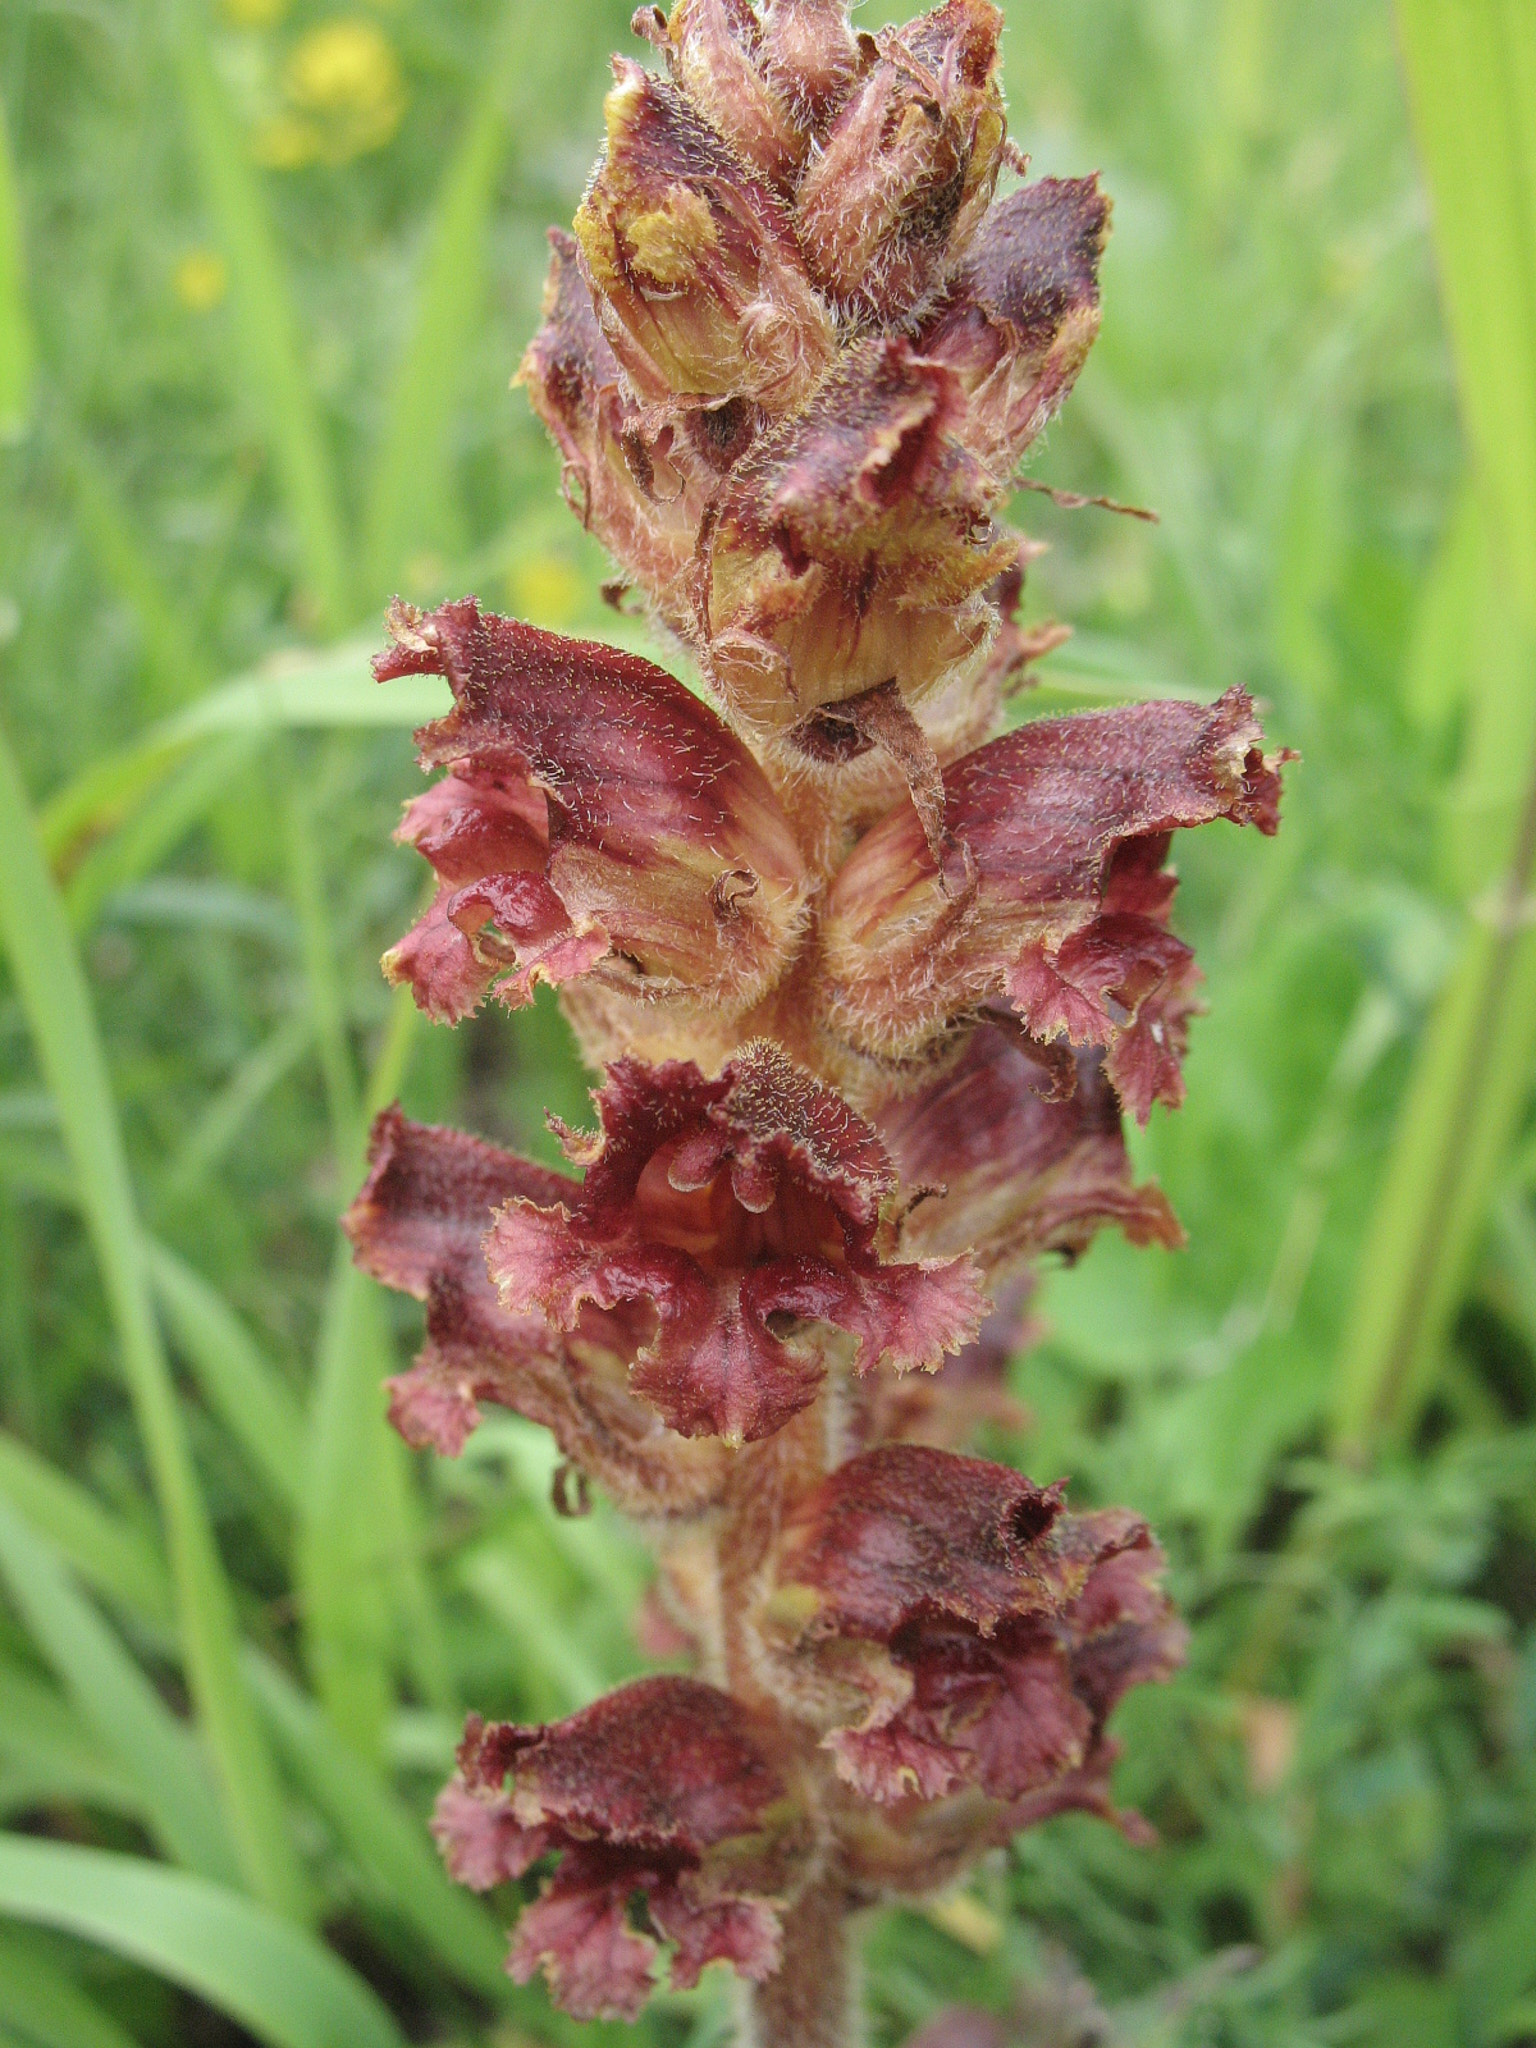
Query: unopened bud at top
[(909, 166), (701, 288)]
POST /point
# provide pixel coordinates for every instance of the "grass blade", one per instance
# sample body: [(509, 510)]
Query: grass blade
[(344, 1554), (180, 802), (388, 1842), (412, 453), (353, 1541), (15, 322), (265, 323), (174, 670), (112, 1694), (115, 1559), (1471, 73), (57, 1005), (47, 2007), (239, 1099), (310, 690), (276, 1980), (47, 1755), (240, 1386)]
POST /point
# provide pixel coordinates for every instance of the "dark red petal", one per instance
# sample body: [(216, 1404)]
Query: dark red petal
[(1035, 1730), (1018, 1173), (961, 2028), (1022, 312), (763, 1115), (1046, 814), (729, 1207), (905, 1531), (662, 1789), (426, 1204), (481, 1841), (907, 1316), (893, 1763), (419, 1225), (595, 808), (468, 829), (439, 964), (1121, 981), (664, 1762), (1122, 1630), (742, 1932), (597, 1966)]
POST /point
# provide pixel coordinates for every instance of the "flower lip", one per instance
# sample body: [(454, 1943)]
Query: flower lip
[(419, 1224), (1030, 1154), (662, 1790), (978, 1635), (597, 816), (905, 1533), (1066, 823), (745, 1211)]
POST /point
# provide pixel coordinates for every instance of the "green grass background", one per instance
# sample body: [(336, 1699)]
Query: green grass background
[(262, 283)]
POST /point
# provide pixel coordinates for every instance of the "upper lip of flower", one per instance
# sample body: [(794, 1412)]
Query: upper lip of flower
[(596, 810)]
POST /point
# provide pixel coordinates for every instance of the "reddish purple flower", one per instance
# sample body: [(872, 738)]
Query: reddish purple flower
[(419, 1224), (745, 1214), (1066, 823), (1023, 1147), (661, 1793), (595, 817), (978, 1634)]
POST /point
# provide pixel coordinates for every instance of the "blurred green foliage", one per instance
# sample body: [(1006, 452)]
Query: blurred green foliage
[(263, 275)]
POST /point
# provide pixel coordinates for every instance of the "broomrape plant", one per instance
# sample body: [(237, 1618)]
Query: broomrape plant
[(870, 991)]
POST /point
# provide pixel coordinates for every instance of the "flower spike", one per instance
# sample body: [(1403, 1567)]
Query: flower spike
[(871, 985)]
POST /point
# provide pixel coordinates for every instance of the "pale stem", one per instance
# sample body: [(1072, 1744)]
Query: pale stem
[(812, 2000)]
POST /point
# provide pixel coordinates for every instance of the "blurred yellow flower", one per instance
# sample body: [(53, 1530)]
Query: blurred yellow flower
[(345, 94), (545, 590), (254, 13), (201, 279)]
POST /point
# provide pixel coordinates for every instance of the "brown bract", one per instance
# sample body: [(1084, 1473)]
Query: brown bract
[(1021, 314), (851, 546), (659, 1793), (909, 165), (1066, 824), (638, 480), (745, 1213), (595, 816)]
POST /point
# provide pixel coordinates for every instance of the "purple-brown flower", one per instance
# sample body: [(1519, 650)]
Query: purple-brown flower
[(744, 1214), (594, 816), (662, 1794), (869, 987)]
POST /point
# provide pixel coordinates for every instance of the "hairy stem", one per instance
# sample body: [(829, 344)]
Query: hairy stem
[(812, 2000)]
